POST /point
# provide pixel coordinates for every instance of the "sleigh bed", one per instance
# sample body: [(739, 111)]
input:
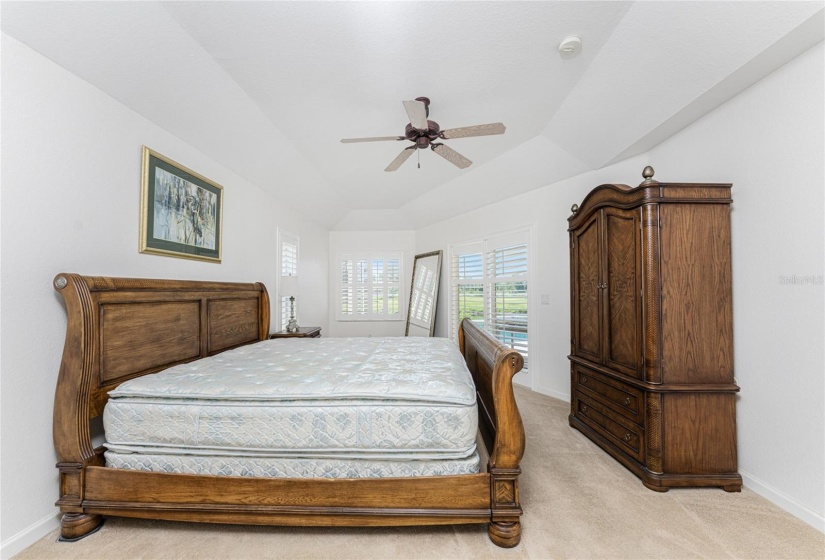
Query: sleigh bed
[(121, 329)]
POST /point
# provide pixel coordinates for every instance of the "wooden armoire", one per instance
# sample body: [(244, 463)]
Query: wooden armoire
[(651, 347)]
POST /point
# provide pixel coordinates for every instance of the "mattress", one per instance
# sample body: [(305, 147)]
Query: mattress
[(307, 407)]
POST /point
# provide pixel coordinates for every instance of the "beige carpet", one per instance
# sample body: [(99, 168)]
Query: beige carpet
[(578, 503)]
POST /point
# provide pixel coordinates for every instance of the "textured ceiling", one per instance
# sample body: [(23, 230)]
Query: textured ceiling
[(269, 88)]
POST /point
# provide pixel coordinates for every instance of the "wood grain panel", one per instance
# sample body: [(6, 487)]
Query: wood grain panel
[(586, 251), (700, 433), (436, 492), (294, 516), (232, 322), (697, 314), (696, 191), (622, 433), (622, 304), (169, 331), (623, 398)]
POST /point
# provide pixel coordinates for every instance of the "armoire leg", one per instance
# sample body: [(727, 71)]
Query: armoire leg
[(75, 526), (505, 535)]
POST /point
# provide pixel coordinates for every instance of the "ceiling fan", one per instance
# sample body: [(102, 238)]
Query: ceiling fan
[(424, 133)]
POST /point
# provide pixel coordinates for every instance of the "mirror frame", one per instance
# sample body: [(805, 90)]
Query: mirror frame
[(437, 288)]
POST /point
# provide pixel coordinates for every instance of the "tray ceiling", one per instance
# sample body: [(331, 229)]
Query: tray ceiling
[(269, 88)]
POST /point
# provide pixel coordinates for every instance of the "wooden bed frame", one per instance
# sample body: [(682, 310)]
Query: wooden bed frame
[(121, 328)]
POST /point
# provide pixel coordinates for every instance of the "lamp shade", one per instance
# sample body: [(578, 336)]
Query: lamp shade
[(288, 286)]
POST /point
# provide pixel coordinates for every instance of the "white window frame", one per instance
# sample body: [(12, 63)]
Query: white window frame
[(485, 247), (368, 286), (286, 268)]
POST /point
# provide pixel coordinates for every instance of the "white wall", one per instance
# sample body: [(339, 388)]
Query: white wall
[(768, 142), (369, 241), (70, 203)]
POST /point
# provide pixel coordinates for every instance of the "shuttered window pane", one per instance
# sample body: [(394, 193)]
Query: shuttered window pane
[(508, 321), (347, 306), (377, 271), (470, 267), (362, 272), (393, 270), (392, 300), (510, 261), (471, 303), (362, 301), (378, 300), (346, 272), (289, 259)]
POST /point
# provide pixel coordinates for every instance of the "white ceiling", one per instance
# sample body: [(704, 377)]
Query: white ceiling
[(269, 88)]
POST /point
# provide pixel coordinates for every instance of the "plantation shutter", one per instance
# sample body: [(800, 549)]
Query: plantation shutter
[(489, 284), (369, 287), (467, 274), (506, 296), (288, 266), (347, 290)]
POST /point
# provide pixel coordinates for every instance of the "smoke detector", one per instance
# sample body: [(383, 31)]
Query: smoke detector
[(570, 46)]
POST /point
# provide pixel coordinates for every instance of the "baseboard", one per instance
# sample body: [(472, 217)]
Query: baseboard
[(30, 535), (555, 394), (784, 501)]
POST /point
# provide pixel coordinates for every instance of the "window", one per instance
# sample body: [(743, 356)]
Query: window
[(507, 307), (288, 275), (489, 281), (369, 287)]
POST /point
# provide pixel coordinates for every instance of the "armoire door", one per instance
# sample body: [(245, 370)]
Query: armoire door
[(622, 342), (587, 281)]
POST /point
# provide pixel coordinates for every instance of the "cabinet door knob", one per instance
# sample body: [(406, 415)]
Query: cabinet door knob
[(627, 436), (583, 380), (627, 401), (584, 408)]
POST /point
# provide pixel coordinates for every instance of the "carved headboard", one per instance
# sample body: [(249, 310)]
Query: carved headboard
[(121, 328)]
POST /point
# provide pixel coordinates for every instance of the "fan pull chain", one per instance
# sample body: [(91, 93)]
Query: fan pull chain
[(419, 158)]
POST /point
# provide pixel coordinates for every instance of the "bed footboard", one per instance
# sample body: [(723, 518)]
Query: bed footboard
[(493, 366)]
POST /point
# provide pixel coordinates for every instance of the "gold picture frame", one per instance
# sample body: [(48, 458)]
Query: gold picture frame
[(181, 211)]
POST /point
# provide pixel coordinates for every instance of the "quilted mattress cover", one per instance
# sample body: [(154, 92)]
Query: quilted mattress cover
[(309, 407)]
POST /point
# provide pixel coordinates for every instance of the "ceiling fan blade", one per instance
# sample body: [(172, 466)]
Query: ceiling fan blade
[(477, 130), (373, 139), (451, 155), (417, 112), (400, 158)]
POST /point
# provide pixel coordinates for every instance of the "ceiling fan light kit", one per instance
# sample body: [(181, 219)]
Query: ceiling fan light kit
[(423, 133)]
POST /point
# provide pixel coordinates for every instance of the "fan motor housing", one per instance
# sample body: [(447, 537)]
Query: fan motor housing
[(422, 138)]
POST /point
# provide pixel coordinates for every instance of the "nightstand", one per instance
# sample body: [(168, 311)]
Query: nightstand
[(303, 332)]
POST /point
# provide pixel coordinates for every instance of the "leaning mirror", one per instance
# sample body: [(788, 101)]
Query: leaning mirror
[(424, 294)]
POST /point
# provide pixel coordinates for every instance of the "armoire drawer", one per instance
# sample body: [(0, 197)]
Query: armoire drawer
[(623, 398), (613, 426)]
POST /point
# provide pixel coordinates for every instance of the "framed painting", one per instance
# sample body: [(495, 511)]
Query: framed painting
[(180, 210)]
